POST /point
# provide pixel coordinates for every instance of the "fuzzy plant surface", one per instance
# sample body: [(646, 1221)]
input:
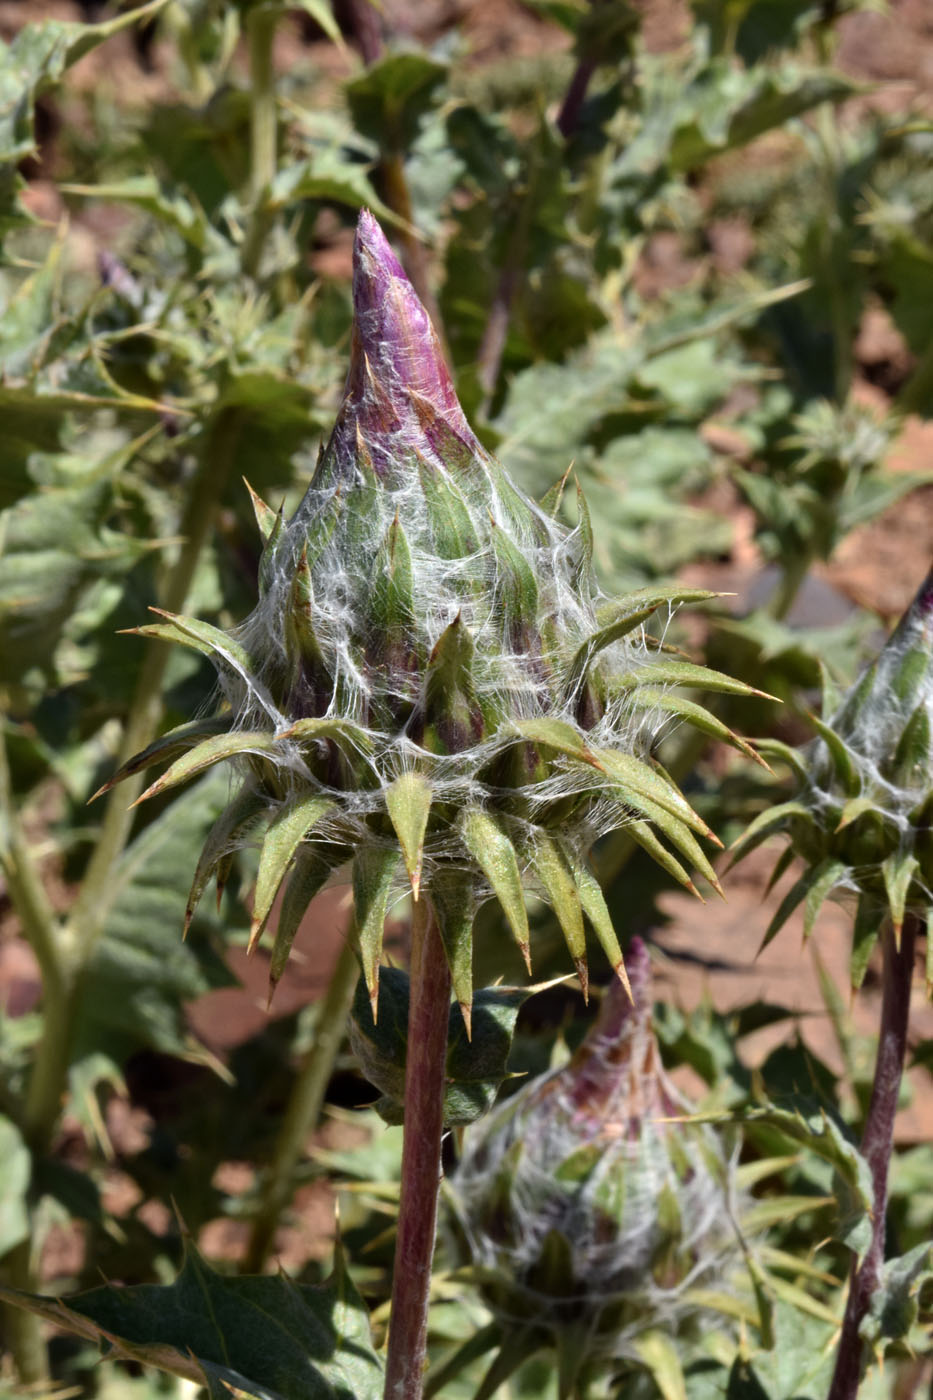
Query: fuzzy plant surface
[(595, 1215), (861, 817), (432, 685)]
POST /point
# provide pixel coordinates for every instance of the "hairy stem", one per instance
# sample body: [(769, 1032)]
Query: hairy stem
[(877, 1143), (263, 131), (428, 1016), (304, 1108)]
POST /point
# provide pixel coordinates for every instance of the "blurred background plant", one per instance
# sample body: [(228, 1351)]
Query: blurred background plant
[(688, 249)]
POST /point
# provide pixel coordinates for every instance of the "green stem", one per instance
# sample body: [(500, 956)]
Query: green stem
[(98, 891), (428, 1017), (304, 1108), (22, 1331), (263, 133), (25, 888)]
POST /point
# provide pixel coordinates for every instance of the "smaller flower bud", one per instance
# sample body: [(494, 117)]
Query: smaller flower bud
[(587, 1201)]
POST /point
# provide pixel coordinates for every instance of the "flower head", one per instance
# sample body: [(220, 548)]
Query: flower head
[(862, 817), (432, 688), (590, 1205)]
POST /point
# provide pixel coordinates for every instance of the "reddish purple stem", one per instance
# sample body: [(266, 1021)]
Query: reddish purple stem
[(877, 1143), (428, 1015)]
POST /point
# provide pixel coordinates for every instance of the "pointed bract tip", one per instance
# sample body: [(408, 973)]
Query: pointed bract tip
[(583, 973), (255, 933), (466, 1011), (525, 948)]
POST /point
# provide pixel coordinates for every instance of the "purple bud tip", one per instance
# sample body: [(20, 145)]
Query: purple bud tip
[(395, 356)]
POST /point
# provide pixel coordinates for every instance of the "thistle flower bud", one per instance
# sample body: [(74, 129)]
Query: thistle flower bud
[(432, 686), (862, 816), (591, 1209)]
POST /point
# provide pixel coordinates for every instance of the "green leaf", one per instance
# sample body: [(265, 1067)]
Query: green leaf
[(898, 872), (658, 1354), (374, 872), (176, 741), (841, 757), (227, 831), (617, 620), (454, 901), (142, 974), (38, 56), (209, 752), (553, 870), (697, 716), (596, 910), (285, 834), (635, 781), (643, 835), (314, 864), (865, 933), (266, 1336), (495, 855), (894, 1306), (687, 673), (476, 1064), (827, 876), (227, 655), (814, 884), (389, 101), (408, 800), (767, 823)]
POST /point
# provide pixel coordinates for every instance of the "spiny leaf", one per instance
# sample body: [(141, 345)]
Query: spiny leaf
[(314, 864), (634, 777), (643, 835), (236, 817), (771, 820), (841, 757), (199, 636), (898, 872), (266, 517), (596, 910), (176, 741), (264, 1335), (783, 753), (865, 933), (408, 800), (455, 907), (812, 879), (320, 730), (495, 855), (553, 870), (829, 873), (700, 718), (617, 620), (688, 673), (282, 839), (211, 751), (374, 870)]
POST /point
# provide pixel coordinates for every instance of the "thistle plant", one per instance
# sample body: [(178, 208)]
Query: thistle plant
[(861, 823), (599, 1221), (432, 689)]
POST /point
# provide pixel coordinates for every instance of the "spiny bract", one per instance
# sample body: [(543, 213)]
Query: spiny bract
[(592, 1210), (431, 685), (863, 814)]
